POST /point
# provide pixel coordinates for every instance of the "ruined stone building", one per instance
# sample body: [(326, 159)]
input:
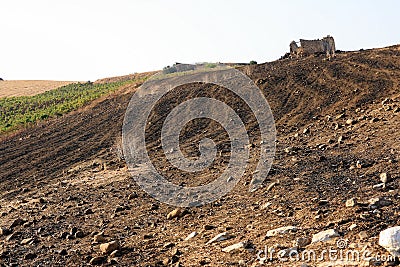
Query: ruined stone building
[(309, 47)]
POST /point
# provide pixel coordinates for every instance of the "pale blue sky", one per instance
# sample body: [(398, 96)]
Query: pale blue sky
[(86, 40)]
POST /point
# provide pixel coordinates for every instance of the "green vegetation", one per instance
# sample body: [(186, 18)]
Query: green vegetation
[(210, 65), (253, 62), (175, 68), (18, 111)]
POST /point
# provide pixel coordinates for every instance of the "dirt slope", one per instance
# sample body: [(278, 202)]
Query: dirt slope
[(334, 138)]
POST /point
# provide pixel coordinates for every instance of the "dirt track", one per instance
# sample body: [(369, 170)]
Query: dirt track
[(69, 172)]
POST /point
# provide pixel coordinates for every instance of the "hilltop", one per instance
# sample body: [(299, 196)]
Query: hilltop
[(337, 127)]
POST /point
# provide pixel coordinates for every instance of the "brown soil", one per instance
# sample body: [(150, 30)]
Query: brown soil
[(10, 88), (69, 172)]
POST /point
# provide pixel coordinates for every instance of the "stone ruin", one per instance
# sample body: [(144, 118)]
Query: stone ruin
[(310, 47)]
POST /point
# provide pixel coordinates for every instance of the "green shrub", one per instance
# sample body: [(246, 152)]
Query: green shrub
[(210, 65)]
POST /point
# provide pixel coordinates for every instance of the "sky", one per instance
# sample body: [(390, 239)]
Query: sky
[(81, 40)]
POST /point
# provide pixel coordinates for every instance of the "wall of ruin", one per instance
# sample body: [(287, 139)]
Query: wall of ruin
[(309, 47), (312, 46)]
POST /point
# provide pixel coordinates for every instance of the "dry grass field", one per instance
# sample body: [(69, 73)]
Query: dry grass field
[(28, 87)]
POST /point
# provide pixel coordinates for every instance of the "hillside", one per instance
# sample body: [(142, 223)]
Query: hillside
[(10, 88), (337, 128)]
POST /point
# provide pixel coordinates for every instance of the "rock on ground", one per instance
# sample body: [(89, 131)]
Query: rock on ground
[(324, 236), (109, 247), (220, 237), (281, 230), (234, 247), (390, 240)]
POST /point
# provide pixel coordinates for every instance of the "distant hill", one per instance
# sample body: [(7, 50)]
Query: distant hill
[(123, 78), (28, 87)]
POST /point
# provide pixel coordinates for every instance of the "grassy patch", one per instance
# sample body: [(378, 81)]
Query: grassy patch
[(18, 111)]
